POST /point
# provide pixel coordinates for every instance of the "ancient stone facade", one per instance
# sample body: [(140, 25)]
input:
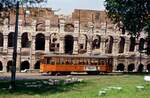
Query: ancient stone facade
[(84, 32)]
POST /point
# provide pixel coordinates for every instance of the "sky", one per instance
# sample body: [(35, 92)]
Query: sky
[(67, 6)]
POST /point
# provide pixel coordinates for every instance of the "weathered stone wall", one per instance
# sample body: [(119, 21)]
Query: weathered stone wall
[(91, 31)]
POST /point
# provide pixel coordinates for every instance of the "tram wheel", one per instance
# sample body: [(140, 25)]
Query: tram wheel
[(65, 73), (93, 72), (53, 73)]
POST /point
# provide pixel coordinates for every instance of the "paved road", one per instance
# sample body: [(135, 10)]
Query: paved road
[(21, 76)]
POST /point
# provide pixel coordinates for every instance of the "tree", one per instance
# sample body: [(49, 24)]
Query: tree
[(133, 14)]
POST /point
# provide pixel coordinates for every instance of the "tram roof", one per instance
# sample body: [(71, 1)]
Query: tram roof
[(77, 56)]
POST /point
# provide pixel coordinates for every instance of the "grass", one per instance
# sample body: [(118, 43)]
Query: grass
[(87, 89)]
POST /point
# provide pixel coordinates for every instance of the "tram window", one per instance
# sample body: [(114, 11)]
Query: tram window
[(52, 62), (61, 61), (102, 62), (99, 62)]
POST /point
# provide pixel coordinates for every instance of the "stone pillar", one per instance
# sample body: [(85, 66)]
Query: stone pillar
[(76, 27), (5, 45), (4, 64), (75, 46), (62, 25), (33, 45), (127, 45), (144, 68), (115, 46), (34, 25), (61, 45), (19, 44), (47, 25), (18, 62), (114, 65), (136, 50), (89, 48), (102, 47), (46, 44)]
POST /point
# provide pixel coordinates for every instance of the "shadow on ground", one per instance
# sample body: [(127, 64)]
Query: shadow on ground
[(32, 87)]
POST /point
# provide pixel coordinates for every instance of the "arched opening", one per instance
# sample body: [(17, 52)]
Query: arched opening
[(82, 41), (131, 68), (120, 67), (37, 65), (24, 65), (148, 67), (140, 68), (1, 40), (24, 40), (141, 44), (40, 42), (109, 45), (132, 44), (1, 66), (9, 64), (10, 39), (54, 42), (69, 44), (121, 45), (96, 42)]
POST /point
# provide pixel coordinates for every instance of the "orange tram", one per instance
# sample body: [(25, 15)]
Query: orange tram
[(65, 64)]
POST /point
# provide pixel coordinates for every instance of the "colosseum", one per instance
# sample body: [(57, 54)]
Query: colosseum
[(85, 32)]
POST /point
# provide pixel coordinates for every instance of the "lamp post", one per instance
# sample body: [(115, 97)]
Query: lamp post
[(13, 68)]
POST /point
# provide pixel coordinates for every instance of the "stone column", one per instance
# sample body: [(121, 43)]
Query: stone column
[(75, 46), (114, 65), (46, 44), (4, 64), (89, 48), (19, 44), (136, 50), (47, 25), (144, 68), (115, 46), (33, 45), (102, 47), (127, 45), (5, 43), (18, 63), (61, 45), (76, 27), (34, 25), (62, 25)]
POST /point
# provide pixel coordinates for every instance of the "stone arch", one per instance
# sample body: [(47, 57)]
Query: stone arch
[(40, 42), (82, 43), (9, 64), (1, 39), (37, 65), (68, 44), (69, 27), (132, 44), (96, 42), (120, 67), (24, 65), (10, 39), (109, 44), (148, 67), (131, 67), (121, 45), (1, 66), (25, 40), (140, 68), (141, 44), (54, 42)]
